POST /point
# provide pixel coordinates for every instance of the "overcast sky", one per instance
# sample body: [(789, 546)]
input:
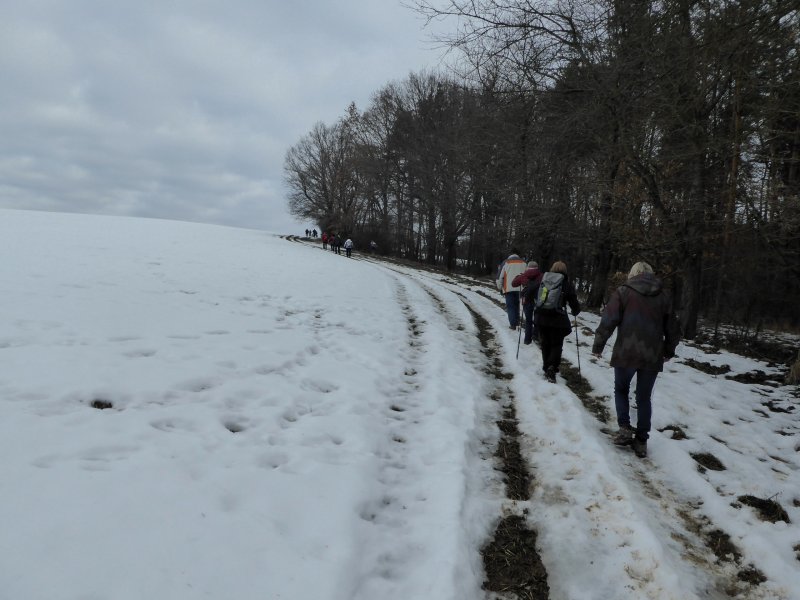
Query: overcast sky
[(184, 109)]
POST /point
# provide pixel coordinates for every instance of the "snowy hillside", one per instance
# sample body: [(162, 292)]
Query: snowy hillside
[(190, 411)]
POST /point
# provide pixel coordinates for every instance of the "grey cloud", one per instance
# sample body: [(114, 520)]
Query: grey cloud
[(183, 109)]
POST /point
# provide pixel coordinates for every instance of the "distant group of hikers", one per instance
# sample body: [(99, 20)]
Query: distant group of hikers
[(336, 244), (640, 310)]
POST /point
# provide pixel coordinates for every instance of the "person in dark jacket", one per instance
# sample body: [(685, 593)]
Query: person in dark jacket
[(647, 334), (529, 279), (554, 325)]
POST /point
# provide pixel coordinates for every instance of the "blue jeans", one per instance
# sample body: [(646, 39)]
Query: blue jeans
[(512, 308), (645, 380), (530, 328)]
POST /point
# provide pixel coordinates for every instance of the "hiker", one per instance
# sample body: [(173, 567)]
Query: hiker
[(324, 240), (307, 232), (332, 241), (348, 247), (373, 247), (647, 335), (507, 271), (337, 246), (528, 282), (550, 316), (314, 233)]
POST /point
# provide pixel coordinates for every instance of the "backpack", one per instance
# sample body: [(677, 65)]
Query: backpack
[(550, 296)]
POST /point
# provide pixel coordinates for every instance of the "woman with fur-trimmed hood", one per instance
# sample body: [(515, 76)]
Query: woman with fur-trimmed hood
[(647, 334)]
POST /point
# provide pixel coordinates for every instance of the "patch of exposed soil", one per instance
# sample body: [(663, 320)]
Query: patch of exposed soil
[(677, 432), (101, 404), (721, 545), (512, 563), (579, 386), (753, 377), (707, 367), (751, 575), (517, 480), (768, 510), (770, 404), (708, 461)]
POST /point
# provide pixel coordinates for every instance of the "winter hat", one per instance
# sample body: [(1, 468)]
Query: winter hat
[(532, 264), (639, 268)]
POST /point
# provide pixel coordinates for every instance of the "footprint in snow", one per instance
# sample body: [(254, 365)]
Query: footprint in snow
[(124, 338), (173, 425), (272, 460), (316, 385), (197, 385), (144, 353)]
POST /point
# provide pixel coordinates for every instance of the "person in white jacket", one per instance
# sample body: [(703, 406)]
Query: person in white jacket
[(509, 269), (348, 247)]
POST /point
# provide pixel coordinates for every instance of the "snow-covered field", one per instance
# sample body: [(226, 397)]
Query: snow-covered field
[(190, 411)]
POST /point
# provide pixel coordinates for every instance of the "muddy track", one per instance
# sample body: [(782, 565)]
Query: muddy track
[(511, 560), (512, 564)]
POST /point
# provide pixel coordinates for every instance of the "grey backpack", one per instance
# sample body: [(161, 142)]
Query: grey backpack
[(550, 296)]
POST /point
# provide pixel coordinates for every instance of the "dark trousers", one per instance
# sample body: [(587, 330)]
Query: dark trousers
[(645, 380), (512, 308), (347, 251), (531, 332), (551, 341)]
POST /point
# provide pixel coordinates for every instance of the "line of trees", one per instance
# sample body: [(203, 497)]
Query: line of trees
[(599, 132)]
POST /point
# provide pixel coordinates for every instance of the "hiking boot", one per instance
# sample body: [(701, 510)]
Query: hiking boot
[(640, 447), (550, 374), (624, 437)]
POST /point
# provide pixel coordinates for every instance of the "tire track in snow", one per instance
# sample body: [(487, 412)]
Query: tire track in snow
[(511, 562), (421, 465), (385, 552)]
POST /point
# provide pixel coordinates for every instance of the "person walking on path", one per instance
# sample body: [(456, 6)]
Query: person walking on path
[(348, 247), (552, 321), (508, 270), (324, 240), (528, 280), (647, 334), (332, 241)]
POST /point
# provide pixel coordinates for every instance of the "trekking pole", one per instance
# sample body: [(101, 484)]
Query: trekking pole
[(577, 345), (519, 321)]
